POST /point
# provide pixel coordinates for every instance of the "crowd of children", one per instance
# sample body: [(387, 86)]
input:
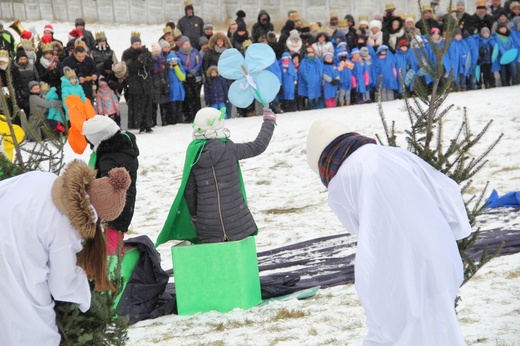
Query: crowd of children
[(337, 64)]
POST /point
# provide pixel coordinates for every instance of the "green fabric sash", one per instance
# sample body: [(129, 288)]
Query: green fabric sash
[(178, 225)]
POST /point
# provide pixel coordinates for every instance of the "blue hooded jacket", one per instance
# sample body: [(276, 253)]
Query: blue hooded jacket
[(345, 76), (310, 74), (485, 49), (502, 45), (53, 113), (289, 76), (457, 58), (330, 70), (402, 65), (176, 88), (385, 66)]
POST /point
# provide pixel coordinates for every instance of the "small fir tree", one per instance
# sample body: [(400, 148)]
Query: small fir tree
[(100, 325), (425, 137)]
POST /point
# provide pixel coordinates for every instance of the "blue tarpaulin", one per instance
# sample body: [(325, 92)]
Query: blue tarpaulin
[(511, 199)]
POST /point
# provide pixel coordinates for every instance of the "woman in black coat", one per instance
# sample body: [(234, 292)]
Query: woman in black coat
[(114, 148)]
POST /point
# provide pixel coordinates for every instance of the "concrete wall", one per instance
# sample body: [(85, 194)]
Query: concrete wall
[(161, 11)]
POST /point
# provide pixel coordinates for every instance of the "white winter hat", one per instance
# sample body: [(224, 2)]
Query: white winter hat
[(209, 123), (375, 24), (294, 34), (321, 134), (98, 129)]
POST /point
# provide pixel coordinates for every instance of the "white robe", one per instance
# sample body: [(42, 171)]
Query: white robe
[(38, 249), (407, 217)]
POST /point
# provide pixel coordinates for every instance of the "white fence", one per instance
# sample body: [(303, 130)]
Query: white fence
[(160, 11)]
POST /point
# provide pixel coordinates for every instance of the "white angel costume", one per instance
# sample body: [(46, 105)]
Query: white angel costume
[(407, 217), (38, 249)]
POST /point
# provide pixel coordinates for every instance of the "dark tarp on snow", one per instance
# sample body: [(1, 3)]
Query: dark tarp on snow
[(329, 261)]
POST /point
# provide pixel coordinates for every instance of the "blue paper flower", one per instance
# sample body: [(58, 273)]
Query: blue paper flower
[(251, 79)]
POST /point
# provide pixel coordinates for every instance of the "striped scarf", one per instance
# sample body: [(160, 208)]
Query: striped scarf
[(338, 151)]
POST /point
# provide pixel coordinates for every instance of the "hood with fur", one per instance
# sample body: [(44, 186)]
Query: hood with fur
[(69, 194), (215, 37)]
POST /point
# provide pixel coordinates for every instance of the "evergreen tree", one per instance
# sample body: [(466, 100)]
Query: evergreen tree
[(100, 325), (425, 137)]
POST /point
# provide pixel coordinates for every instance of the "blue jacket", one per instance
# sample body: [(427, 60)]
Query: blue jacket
[(176, 88), (360, 72), (485, 49), (331, 71), (429, 55), (345, 79), (502, 44), (289, 76), (275, 69), (385, 66), (191, 62), (472, 42), (68, 89), (457, 58), (310, 73), (402, 65)]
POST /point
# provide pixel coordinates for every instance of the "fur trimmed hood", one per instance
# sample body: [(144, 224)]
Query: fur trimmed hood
[(215, 37), (69, 194)]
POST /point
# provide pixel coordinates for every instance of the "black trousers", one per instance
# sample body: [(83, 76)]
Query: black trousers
[(191, 104), (140, 111)]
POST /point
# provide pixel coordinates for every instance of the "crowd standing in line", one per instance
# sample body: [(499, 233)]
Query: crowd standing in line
[(331, 65)]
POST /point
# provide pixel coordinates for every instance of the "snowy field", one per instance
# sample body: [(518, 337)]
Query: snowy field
[(280, 180)]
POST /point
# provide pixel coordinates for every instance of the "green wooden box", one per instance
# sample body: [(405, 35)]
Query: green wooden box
[(219, 276)]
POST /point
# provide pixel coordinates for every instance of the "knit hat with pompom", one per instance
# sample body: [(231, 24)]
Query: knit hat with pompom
[(108, 194)]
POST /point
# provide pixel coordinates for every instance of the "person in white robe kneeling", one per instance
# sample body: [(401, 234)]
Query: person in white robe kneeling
[(407, 217)]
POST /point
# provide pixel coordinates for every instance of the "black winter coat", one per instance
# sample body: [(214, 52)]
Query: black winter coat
[(261, 29), (100, 56), (120, 151), (51, 77), (140, 67), (17, 84), (213, 192), (192, 27), (479, 23), (215, 90)]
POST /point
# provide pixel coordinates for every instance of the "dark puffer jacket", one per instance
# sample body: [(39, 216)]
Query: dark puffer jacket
[(213, 192), (120, 151)]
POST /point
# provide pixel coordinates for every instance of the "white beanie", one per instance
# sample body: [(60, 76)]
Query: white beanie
[(294, 34), (98, 129), (321, 134), (375, 24), (209, 124)]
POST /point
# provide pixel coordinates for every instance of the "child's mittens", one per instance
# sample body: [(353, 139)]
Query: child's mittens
[(269, 115)]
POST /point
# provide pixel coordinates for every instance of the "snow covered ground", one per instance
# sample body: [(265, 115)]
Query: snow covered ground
[(290, 205)]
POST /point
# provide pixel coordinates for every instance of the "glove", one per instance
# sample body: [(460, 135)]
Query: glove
[(335, 82), (269, 115), (193, 72)]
